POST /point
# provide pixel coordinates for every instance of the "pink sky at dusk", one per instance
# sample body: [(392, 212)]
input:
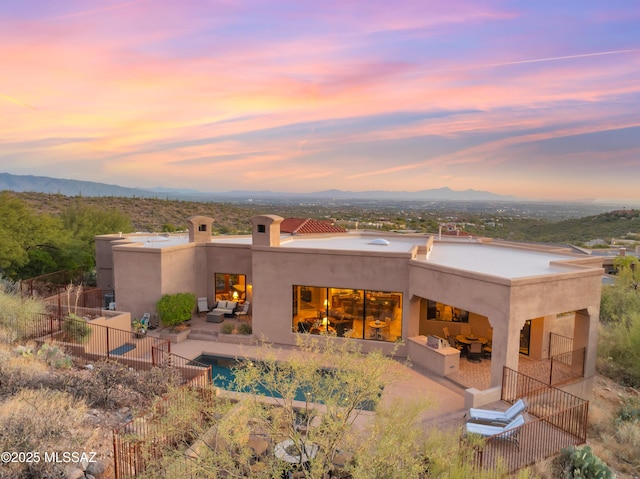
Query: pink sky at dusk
[(539, 100)]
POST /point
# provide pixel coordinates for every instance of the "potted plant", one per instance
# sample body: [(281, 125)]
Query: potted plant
[(138, 328)]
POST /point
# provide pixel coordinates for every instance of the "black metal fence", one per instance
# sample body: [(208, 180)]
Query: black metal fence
[(145, 438), (556, 419)]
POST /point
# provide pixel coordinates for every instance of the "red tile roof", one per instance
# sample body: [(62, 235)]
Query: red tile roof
[(308, 225)]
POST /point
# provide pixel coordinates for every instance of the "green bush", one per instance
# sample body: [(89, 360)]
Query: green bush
[(227, 328), (174, 309), (76, 329), (245, 328), (629, 411), (582, 463), (54, 356)]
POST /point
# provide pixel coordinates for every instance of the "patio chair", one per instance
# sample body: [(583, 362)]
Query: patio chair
[(304, 326), (474, 353), (244, 312), (516, 408), (203, 305), (507, 432), (144, 321)]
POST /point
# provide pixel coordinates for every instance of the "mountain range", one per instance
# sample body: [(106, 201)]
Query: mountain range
[(66, 187)]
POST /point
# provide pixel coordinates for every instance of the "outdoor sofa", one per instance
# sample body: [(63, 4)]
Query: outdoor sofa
[(220, 310)]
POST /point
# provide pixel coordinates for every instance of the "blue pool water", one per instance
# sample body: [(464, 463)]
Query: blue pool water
[(222, 374)]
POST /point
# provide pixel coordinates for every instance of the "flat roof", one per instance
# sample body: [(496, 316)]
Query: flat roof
[(492, 259), (400, 244), (496, 260), (158, 240)]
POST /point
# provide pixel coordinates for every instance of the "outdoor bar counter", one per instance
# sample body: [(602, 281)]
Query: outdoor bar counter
[(440, 360)]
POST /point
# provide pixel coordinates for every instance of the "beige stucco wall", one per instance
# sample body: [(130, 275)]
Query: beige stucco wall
[(276, 270), (507, 304), (224, 258), (143, 275)]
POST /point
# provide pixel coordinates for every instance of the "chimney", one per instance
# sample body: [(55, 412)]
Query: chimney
[(266, 230), (199, 229)]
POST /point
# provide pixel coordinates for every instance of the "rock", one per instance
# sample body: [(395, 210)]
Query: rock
[(89, 367), (89, 476), (74, 473), (96, 469)]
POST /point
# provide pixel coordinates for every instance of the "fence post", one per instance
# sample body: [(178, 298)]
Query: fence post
[(108, 349)]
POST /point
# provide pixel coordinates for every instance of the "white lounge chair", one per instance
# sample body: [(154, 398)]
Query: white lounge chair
[(508, 432), (516, 408)]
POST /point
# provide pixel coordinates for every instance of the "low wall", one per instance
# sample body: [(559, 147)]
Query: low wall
[(475, 398)]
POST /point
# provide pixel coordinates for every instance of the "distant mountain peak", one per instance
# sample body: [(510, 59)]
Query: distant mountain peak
[(43, 184)]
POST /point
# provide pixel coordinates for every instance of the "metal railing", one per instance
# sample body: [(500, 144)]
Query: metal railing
[(50, 284), (567, 366), (556, 419), (559, 344), (145, 439)]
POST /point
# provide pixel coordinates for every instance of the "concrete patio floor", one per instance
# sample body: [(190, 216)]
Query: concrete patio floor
[(446, 397), (446, 393)]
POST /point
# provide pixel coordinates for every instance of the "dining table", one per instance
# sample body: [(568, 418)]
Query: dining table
[(377, 325), (468, 339)]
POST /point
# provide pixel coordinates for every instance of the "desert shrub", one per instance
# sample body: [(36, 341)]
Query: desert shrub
[(174, 309), (629, 410), (245, 328), (227, 328), (582, 463), (54, 356), (40, 420), (35, 417), (18, 371), (619, 350), (112, 385), (76, 329), (156, 381), (16, 314)]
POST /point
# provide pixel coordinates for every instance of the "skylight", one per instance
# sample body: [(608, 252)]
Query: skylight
[(380, 241)]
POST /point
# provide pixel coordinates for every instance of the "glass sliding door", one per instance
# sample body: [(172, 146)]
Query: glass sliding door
[(346, 312)]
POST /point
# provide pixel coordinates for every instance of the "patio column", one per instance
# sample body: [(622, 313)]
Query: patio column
[(506, 348), (585, 336)]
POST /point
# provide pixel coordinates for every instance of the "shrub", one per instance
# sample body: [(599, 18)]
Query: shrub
[(227, 328), (245, 328), (582, 463), (40, 420), (54, 356), (76, 329), (174, 309), (629, 411)]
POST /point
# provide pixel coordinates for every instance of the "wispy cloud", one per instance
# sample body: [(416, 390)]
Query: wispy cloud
[(352, 95)]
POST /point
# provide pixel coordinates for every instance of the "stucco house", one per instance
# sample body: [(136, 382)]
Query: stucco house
[(375, 288)]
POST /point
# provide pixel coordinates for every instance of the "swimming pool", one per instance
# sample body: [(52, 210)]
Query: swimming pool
[(222, 375)]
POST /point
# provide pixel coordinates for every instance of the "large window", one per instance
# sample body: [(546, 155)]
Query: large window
[(353, 313), (232, 287)]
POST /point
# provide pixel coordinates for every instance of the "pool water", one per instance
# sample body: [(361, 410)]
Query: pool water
[(222, 375)]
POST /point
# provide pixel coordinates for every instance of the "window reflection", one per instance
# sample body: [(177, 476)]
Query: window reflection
[(446, 312), (352, 313), (230, 287)]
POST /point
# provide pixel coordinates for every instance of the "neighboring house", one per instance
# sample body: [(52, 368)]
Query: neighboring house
[(370, 287)]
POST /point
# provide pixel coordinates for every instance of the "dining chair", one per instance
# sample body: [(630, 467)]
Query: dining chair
[(474, 353)]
